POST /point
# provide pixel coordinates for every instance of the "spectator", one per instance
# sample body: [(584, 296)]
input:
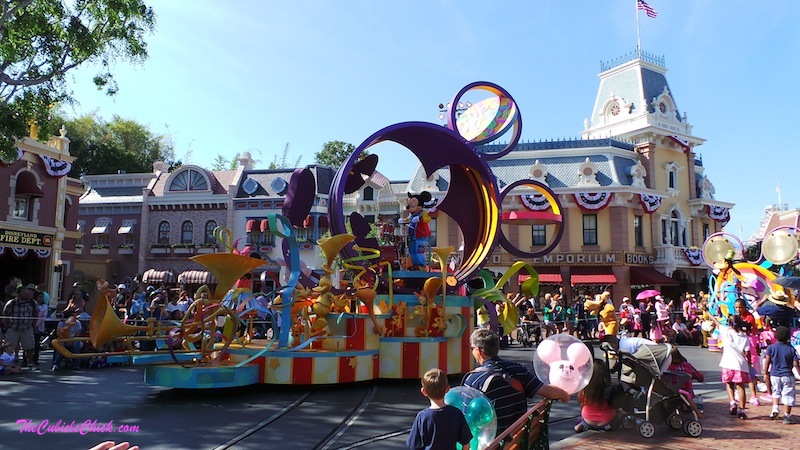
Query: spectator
[(776, 305), (68, 327), (682, 333), (38, 327), (509, 403), (20, 313), (440, 425), (8, 363)]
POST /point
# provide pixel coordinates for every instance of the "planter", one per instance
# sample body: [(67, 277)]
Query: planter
[(124, 251), (79, 251), (202, 250), (182, 251), (159, 251), (98, 251)]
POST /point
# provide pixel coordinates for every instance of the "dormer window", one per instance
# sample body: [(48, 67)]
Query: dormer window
[(369, 193), (189, 180)]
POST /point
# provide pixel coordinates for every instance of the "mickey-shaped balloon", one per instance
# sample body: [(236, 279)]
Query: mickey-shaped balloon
[(563, 361)]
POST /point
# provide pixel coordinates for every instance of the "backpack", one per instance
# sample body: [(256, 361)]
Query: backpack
[(496, 373)]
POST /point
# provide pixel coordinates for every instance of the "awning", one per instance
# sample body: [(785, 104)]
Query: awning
[(264, 225), (158, 276), (547, 275), (101, 227), (26, 185), (250, 226), (196, 277), (127, 227), (651, 277), (592, 275), (323, 222)]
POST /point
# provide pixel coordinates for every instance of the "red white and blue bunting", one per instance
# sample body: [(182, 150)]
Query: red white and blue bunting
[(694, 255), (719, 214), (56, 167), (535, 202), (649, 202), (682, 142), (593, 201), (21, 252)]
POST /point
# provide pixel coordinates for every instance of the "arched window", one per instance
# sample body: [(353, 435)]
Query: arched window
[(209, 236), (26, 192), (189, 180), (674, 226), (369, 193), (187, 232), (163, 232)]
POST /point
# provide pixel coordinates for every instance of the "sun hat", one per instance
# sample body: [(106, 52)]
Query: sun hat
[(779, 298)]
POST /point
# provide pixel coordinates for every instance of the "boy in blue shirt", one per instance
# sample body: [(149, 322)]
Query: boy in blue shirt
[(778, 363), (440, 426)]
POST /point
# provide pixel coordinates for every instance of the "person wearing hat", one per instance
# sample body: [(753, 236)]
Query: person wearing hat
[(777, 306), (19, 315)]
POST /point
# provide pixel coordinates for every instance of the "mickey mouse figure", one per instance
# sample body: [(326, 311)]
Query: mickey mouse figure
[(418, 229)]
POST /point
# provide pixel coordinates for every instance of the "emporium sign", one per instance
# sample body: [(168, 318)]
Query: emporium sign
[(604, 258), (11, 238)]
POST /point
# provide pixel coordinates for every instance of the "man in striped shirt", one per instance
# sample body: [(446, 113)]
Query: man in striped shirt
[(509, 402)]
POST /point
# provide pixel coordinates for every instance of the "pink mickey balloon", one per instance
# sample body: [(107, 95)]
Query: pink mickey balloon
[(563, 361)]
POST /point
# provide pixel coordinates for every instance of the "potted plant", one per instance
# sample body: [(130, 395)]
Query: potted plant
[(184, 248), (99, 249), (160, 249), (78, 249), (125, 249), (206, 248)]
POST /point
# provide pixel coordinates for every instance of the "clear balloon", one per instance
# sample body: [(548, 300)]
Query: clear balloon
[(563, 361), (478, 411)]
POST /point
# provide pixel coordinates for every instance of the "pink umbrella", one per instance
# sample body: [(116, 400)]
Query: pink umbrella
[(647, 293)]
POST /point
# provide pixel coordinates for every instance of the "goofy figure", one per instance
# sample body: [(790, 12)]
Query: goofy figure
[(418, 229)]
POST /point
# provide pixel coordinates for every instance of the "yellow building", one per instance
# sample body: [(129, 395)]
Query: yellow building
[(637, 204)]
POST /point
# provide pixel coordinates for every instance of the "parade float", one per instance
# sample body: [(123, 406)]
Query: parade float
[(385, 323)]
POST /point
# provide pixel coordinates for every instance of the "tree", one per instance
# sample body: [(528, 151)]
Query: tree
[(107, 147), (335, 153), (283, 162), (220, 163), (42, 40)]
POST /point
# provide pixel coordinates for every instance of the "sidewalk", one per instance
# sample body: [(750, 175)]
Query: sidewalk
[(720, 431)]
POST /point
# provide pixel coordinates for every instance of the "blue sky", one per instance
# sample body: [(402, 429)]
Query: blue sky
[(248, 75)]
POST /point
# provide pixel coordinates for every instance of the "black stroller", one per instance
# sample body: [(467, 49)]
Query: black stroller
[(646, 394)]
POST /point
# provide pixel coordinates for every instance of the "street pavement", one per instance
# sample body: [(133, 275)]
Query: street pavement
[(373, 415)]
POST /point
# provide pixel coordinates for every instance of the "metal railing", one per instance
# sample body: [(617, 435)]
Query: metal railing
[(529, 432)]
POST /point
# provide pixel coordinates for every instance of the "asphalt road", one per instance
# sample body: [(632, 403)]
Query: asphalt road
[(370, 415)]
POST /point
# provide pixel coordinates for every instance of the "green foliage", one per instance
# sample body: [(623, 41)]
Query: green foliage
[(335, 153), (42, 40), (106, 147), (283, 163), (220, 162)]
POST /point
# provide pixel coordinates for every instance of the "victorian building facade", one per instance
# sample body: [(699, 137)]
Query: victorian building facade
[(38, 230)]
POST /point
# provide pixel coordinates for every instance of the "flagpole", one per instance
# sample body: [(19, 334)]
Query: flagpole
[(780, 204), (638, 35)]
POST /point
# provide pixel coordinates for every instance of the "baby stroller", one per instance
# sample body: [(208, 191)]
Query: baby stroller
[(646, 394)]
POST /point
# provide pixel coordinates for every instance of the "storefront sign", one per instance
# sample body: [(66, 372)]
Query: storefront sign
[(605, 258), (11, 238)]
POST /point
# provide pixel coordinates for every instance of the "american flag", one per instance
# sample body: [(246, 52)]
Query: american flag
[(641, 4)]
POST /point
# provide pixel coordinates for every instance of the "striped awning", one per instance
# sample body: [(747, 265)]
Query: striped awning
[(264, 225), (101, 227), (158, 276), (250, 226), (196, 277)]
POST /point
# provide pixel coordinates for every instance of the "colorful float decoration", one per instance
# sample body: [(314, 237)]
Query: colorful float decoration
[(386, 323), (735, 277)]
